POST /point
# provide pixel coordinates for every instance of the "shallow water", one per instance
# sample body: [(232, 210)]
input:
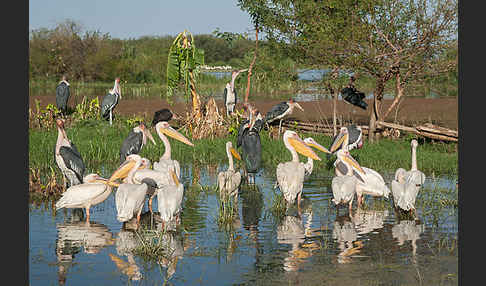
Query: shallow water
[(373, 247)]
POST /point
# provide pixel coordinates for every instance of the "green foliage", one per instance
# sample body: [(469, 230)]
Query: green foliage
[(87, 109), (182, 60), (43, 118)]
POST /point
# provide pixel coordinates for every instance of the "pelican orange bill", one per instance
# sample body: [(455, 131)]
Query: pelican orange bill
[(350, 160), (318, 146), (342, 137), (169, 131), (303, 149), (235, 153), (174, 177)]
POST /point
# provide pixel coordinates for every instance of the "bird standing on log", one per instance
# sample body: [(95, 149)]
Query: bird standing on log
[(68, 158), (281, 110), (110, 101), (135, 140)]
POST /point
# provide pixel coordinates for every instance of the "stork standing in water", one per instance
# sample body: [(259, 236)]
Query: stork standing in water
[(135, 140), (229, 94), (68, 158), (249, 140), (229, 181), (290, 175), (372, 182), (281, 110), (62, 95), (110, 101), (130, 196), (93, 191), (406, 184)]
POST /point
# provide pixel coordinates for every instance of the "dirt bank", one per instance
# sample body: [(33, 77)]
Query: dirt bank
[(440, 111)]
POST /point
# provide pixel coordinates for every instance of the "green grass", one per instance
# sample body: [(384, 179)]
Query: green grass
[(99, 145)]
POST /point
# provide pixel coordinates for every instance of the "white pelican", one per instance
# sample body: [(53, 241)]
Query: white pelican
[(134, 142), (371, 182), (406, 184), (163, 128), (169, 198), (93, 191), (348, 172), (67, 158), (290, 175), (130, 196), (280, 110), (309, 165), (229, 181)]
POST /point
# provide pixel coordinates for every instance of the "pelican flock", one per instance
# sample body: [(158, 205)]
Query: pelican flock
[(136, 178)]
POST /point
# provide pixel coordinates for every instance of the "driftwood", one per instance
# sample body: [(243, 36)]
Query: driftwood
[(426, 130)]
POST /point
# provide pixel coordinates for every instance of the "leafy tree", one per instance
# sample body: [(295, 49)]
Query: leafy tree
[(384, 39)]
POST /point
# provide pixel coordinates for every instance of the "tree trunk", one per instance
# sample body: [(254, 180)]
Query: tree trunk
[(196, 100), (375, 109), (399, 90)]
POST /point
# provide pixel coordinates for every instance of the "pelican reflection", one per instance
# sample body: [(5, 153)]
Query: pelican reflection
[(408, 230)]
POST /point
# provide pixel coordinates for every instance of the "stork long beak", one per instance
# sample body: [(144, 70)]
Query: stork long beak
[(235, 153), (169, 131), (340, 139), (302, 148), (149, 135), (318, 147), (174, 177), (298, 106), (350, 160)]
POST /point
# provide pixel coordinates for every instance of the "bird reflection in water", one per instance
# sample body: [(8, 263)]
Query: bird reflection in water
[(408, 230), (345, 234), (126, 242), (73, 236)]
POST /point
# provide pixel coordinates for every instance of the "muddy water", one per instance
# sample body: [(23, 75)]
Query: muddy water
[(318, 247)]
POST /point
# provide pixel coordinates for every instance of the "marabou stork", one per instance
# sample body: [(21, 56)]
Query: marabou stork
[(130, 196), (68, 158), (290, 175), (93, 191), (135, 140), (110, 101), (229, 181), (62, 95), (372, 182), (279, 111), (169, 198), (355, 138), (229, 94), (309, 165), (348, 172), (352, 96), (163, 115), (406, 184), (249, 140)]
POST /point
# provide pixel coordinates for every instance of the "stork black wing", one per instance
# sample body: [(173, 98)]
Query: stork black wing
[(241, 132), (354, 97), (251, 151), (73, 161), (275, 111), (225, 95), (131, 145), (354, 133), (108, 102)]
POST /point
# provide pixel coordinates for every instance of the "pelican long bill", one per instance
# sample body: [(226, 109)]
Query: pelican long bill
[(350, 160), (235, 153), (318, 147), (341, 138), (174, 177), (303, 149), (149, 135), (122, 171), (169, 131)]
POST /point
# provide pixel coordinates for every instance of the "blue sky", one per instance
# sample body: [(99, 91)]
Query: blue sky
[(132, 19)]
